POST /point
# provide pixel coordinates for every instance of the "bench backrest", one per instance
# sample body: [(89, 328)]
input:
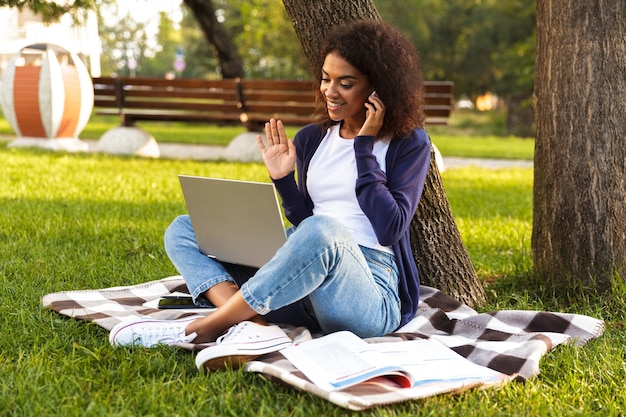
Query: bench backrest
[(163, 94), (247, 101), (293, 101)]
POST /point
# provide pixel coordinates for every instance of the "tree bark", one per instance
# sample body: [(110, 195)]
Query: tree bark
[(579, 214), (439, 252), (312, 19), (229, 60), (438, 249)]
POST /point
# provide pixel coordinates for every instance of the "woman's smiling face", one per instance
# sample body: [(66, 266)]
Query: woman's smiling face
[(345, 89)]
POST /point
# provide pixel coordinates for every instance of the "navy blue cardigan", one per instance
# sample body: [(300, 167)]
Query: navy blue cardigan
[(388, 200)]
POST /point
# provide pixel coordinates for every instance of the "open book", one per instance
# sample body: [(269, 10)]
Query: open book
[(340, 360)]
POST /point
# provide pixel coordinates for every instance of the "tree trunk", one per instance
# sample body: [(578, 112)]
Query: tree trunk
[(441, 257), (579, 215), (229, 60), (311, 19)]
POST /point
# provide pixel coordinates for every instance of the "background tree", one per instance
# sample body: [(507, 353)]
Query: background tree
[(200, 55), (265, 39), (168, 41), (124, 42), (481, 45), (441, 257), (579, 213), (230, 62)]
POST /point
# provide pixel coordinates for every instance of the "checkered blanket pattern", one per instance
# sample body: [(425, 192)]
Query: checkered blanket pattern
[(509, 341)]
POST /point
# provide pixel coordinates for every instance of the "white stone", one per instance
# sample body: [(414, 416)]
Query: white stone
[(123, 140), (244, 148)]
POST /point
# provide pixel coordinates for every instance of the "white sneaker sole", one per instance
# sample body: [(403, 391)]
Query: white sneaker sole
[(220, 356)]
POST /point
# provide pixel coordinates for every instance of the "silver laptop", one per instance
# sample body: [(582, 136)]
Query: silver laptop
[(234, 221)]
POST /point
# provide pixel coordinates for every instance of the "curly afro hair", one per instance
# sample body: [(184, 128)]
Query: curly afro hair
[(387, 57)]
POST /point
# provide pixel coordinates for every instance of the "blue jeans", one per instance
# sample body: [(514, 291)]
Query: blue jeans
[(320, 278)]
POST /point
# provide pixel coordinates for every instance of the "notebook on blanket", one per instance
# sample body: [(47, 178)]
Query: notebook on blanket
[(234, 221)]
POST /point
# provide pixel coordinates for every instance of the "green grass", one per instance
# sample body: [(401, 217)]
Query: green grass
[(493, 147), (496, 225), (93, 221)]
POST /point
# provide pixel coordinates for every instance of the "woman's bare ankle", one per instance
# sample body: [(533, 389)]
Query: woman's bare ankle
[(205, 332), (259, 320)]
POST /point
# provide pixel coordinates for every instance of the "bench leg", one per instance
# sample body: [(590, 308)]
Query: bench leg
[(126, 120)]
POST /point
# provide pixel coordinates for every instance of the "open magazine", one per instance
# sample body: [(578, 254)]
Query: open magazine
[(342, 359)]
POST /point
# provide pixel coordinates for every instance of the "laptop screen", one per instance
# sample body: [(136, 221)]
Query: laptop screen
[(234, 221)]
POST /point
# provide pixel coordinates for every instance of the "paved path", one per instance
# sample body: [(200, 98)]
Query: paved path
[(171, 150), (454, 162)]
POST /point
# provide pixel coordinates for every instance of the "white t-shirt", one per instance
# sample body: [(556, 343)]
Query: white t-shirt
[(331, 181)]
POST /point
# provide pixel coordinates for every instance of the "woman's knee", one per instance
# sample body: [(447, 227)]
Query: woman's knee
[(177, 230), (323, 229)]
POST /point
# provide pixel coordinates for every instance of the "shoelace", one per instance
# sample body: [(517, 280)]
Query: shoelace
[(161, 334), (232, 332)]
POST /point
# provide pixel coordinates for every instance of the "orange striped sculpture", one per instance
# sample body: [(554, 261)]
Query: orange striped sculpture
[(47, 97)]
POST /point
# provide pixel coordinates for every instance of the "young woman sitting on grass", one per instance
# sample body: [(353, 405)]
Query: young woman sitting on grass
[(347, 263)]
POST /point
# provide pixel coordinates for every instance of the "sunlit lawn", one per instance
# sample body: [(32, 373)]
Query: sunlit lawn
[(92, 221)]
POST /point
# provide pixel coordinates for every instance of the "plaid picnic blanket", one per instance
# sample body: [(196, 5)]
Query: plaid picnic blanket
[(508, 341)]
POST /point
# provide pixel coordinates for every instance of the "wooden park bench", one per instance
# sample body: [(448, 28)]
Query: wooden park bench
[(229, 101)]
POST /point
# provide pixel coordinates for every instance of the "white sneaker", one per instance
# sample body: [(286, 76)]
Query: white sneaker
[(149, 332), (242, 343)]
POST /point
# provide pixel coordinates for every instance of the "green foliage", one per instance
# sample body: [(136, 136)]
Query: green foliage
[(124, 42), (169, 40), (200, 56), (480, 45), (514, 56), (265, 39), (52, 11), (260, 30), (92, 221)]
